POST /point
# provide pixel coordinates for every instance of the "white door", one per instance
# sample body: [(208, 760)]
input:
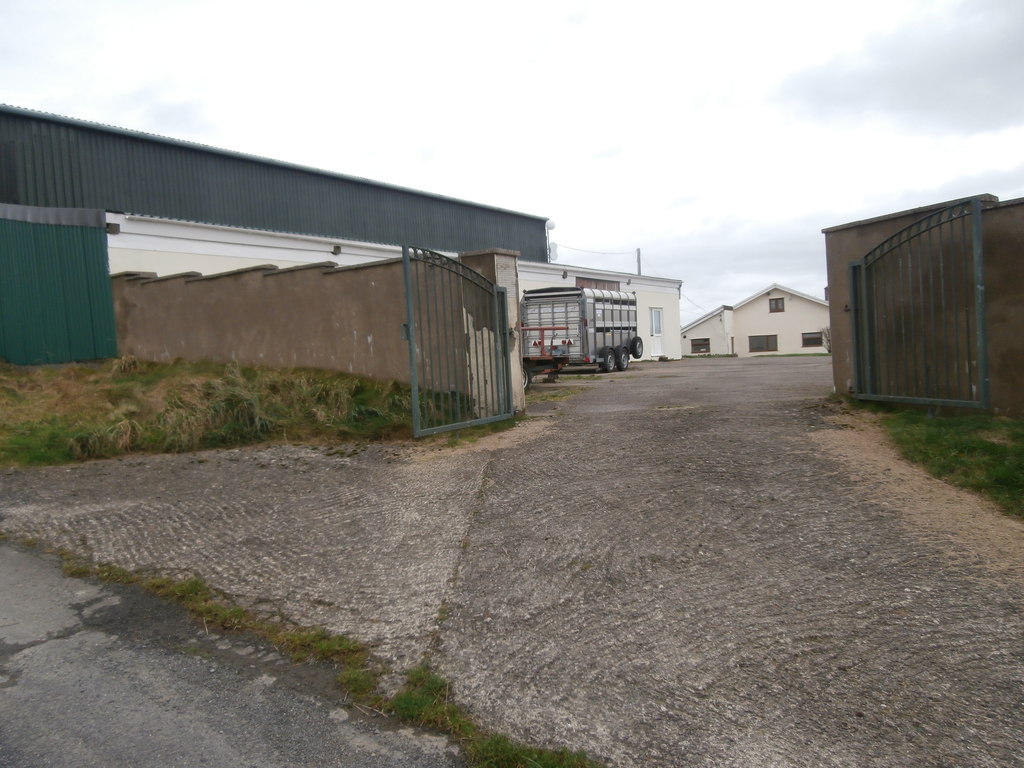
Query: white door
[(656, 331)]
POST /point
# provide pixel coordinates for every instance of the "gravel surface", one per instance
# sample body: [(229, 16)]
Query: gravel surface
[(697, 563)]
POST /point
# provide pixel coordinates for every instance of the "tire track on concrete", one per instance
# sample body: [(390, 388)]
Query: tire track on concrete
[(742, 601)]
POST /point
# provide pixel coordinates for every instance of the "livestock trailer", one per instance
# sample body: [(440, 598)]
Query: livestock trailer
[(577, 326)]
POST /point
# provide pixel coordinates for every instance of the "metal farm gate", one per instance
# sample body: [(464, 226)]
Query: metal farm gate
[(457, 328), (918, 307)]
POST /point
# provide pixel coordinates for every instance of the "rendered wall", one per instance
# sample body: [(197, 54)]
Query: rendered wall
[(1003, 246), (348, 319), (717, 329)]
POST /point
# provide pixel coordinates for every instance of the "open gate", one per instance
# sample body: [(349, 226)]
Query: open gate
[(457, 328), (918, 311)]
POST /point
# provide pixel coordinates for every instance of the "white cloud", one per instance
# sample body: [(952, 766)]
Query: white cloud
[(713, 136)]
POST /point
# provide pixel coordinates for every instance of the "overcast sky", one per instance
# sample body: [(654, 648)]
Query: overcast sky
[(717, 137)]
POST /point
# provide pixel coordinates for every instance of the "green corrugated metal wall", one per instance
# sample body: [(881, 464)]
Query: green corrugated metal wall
[(47, 160), (56, 304)]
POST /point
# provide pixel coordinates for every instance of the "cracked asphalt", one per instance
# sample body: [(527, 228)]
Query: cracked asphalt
[(696, 563), (103, 676)]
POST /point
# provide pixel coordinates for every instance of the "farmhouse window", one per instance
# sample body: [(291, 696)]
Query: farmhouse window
[(813, 339), (776, 305), (700, 346), (764, 343)]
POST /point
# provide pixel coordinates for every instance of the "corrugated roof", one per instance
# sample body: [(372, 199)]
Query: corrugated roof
[(55, 161)]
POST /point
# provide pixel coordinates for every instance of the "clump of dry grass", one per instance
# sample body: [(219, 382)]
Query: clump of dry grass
[(54, 414)]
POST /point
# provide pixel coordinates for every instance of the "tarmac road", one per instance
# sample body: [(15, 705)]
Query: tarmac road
[(99, 676)]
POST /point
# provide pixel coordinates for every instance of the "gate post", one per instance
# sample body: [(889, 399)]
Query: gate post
[(500, 266)]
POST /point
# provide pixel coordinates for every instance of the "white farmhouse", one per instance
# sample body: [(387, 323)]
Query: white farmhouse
[(775, 320)]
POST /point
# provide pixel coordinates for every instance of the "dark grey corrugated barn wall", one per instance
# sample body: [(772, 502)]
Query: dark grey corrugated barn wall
[(52, 161)]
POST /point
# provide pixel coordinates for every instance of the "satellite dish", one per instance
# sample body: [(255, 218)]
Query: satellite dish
[(553, 252)]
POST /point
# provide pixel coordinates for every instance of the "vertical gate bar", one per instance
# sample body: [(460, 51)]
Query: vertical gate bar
[(457, 356), (955, 277), (491, 355), (941, 331), (869, 336), (879, 286), (943, 319), (900, 383), (501, 369), (855, 333), (977, 243), (877, 292), (467, 403), (425, 288), (422, 339), (504, 349), (480, 304), (452, 341), (439, 349), (488, 353), (968, 298), (420, 288), (433, 286), (444, 339), (920, 345), (412, 333), (476, 373), (932, 377)]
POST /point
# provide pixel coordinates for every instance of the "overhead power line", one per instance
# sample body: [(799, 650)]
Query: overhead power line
[(599, 253)]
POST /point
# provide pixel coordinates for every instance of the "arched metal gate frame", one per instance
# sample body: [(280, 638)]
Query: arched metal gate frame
[(918, 310), (457, 329)]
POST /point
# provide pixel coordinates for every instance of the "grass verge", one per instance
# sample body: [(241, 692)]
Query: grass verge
[(56, 414), (358, 673), (983, 453), (422, 701)]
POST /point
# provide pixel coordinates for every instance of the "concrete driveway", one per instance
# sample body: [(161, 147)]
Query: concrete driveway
[(693, 563)]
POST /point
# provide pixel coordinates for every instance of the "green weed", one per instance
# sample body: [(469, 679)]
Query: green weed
[(982, 453), (424, 701)]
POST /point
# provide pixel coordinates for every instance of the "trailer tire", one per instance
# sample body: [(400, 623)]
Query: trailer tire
[(527, 378), (622, 358), (607, 355), (636, 347)]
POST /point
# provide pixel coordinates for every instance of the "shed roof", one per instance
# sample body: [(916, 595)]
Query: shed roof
[(157, 138), (777, 287), (54, 161)]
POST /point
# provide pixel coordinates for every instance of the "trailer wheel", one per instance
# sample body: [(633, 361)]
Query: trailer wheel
[(607, 355), (636, 347), (622, 358), (527, 377)]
